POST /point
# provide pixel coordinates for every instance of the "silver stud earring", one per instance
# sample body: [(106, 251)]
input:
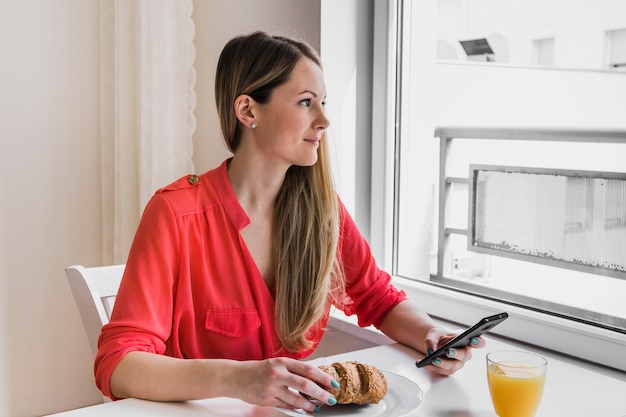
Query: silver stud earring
[(253, 126)]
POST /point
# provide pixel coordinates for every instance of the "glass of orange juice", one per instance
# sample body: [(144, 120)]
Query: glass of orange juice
[(516, 381)]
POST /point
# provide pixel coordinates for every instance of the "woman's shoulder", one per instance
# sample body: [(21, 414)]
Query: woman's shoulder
[(184, 183), (192, 192)]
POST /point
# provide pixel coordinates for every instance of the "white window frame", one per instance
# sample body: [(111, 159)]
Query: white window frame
[(560, 334)]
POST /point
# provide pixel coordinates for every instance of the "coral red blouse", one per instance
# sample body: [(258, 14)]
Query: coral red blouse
[(192, 290)]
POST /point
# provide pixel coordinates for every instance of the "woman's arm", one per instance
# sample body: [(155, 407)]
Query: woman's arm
[(266, 382), (163, 378), (409, 325)]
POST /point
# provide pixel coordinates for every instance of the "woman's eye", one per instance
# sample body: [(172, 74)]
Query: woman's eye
[(306, 102)]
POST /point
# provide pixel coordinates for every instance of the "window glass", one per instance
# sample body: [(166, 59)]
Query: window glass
[(508, 102), (564, 34)]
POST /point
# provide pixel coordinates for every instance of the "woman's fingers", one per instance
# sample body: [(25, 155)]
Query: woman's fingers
[(294, 400), (307, 380), (455, 358), (284, 382), (460, 354), (445, 366)]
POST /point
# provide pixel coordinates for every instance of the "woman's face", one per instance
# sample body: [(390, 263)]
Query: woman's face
[(290, 125)]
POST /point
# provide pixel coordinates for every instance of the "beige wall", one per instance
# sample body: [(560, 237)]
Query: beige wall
[(50, 192), (49, 199)]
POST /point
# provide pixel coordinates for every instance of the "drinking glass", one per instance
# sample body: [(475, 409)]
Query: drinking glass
[(516, 380)]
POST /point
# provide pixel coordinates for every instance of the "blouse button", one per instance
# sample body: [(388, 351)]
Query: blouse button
[(193, 179)]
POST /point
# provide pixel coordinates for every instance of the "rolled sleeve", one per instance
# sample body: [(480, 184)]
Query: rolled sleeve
[(141, 319), (370, 294)]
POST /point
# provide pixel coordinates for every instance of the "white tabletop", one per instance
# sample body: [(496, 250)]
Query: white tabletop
[(572, 389)]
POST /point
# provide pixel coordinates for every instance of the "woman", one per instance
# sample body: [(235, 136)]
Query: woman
[(232, 273)]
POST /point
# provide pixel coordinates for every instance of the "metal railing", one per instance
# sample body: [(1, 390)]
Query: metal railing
[(447, 134)]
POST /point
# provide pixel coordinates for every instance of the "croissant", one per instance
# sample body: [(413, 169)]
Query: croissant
[(359, 383)]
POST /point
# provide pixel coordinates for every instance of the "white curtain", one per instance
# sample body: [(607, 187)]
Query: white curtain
[(147, 104)]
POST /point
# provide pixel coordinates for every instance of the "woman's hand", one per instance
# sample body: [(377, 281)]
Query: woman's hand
[(406, 323), (282, 382), (455, 358)]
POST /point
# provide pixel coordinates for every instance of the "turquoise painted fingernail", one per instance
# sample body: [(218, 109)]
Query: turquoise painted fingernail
[(429, 351), (437, 362), (334, 383), (317, 409), (451, 352), (474, 341), (332, 400)]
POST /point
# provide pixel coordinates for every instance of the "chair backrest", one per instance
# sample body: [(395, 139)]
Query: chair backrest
[(94, 291)]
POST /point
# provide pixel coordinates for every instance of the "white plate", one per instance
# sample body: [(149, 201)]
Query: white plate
[(403, 396)]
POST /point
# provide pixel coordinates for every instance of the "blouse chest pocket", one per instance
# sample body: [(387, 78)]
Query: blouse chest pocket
[(232, 322)]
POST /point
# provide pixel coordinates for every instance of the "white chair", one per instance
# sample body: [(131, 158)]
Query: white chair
[(94, 291)]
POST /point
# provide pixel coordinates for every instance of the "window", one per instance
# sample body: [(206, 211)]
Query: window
[(539, 237), (572, 34), (616, 41), (507, 112), (543, 52)]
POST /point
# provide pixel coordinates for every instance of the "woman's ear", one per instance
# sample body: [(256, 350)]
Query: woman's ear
[(244, 110)]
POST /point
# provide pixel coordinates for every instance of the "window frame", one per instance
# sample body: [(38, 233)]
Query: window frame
[(526, 325)]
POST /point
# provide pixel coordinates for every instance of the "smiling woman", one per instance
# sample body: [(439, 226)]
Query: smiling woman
[(232, 273), (293, 118), (287, 110)]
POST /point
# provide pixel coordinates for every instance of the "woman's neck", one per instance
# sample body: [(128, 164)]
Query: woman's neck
[(255, 182)]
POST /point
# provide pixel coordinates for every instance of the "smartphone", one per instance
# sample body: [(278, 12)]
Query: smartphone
[(485, 324)]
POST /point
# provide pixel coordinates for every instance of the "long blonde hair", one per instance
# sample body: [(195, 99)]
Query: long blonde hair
[(306, 222)]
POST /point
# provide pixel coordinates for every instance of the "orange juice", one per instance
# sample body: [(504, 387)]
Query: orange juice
[(515, 387)]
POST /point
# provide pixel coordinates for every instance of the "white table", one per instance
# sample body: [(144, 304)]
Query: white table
[(573, 389)]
